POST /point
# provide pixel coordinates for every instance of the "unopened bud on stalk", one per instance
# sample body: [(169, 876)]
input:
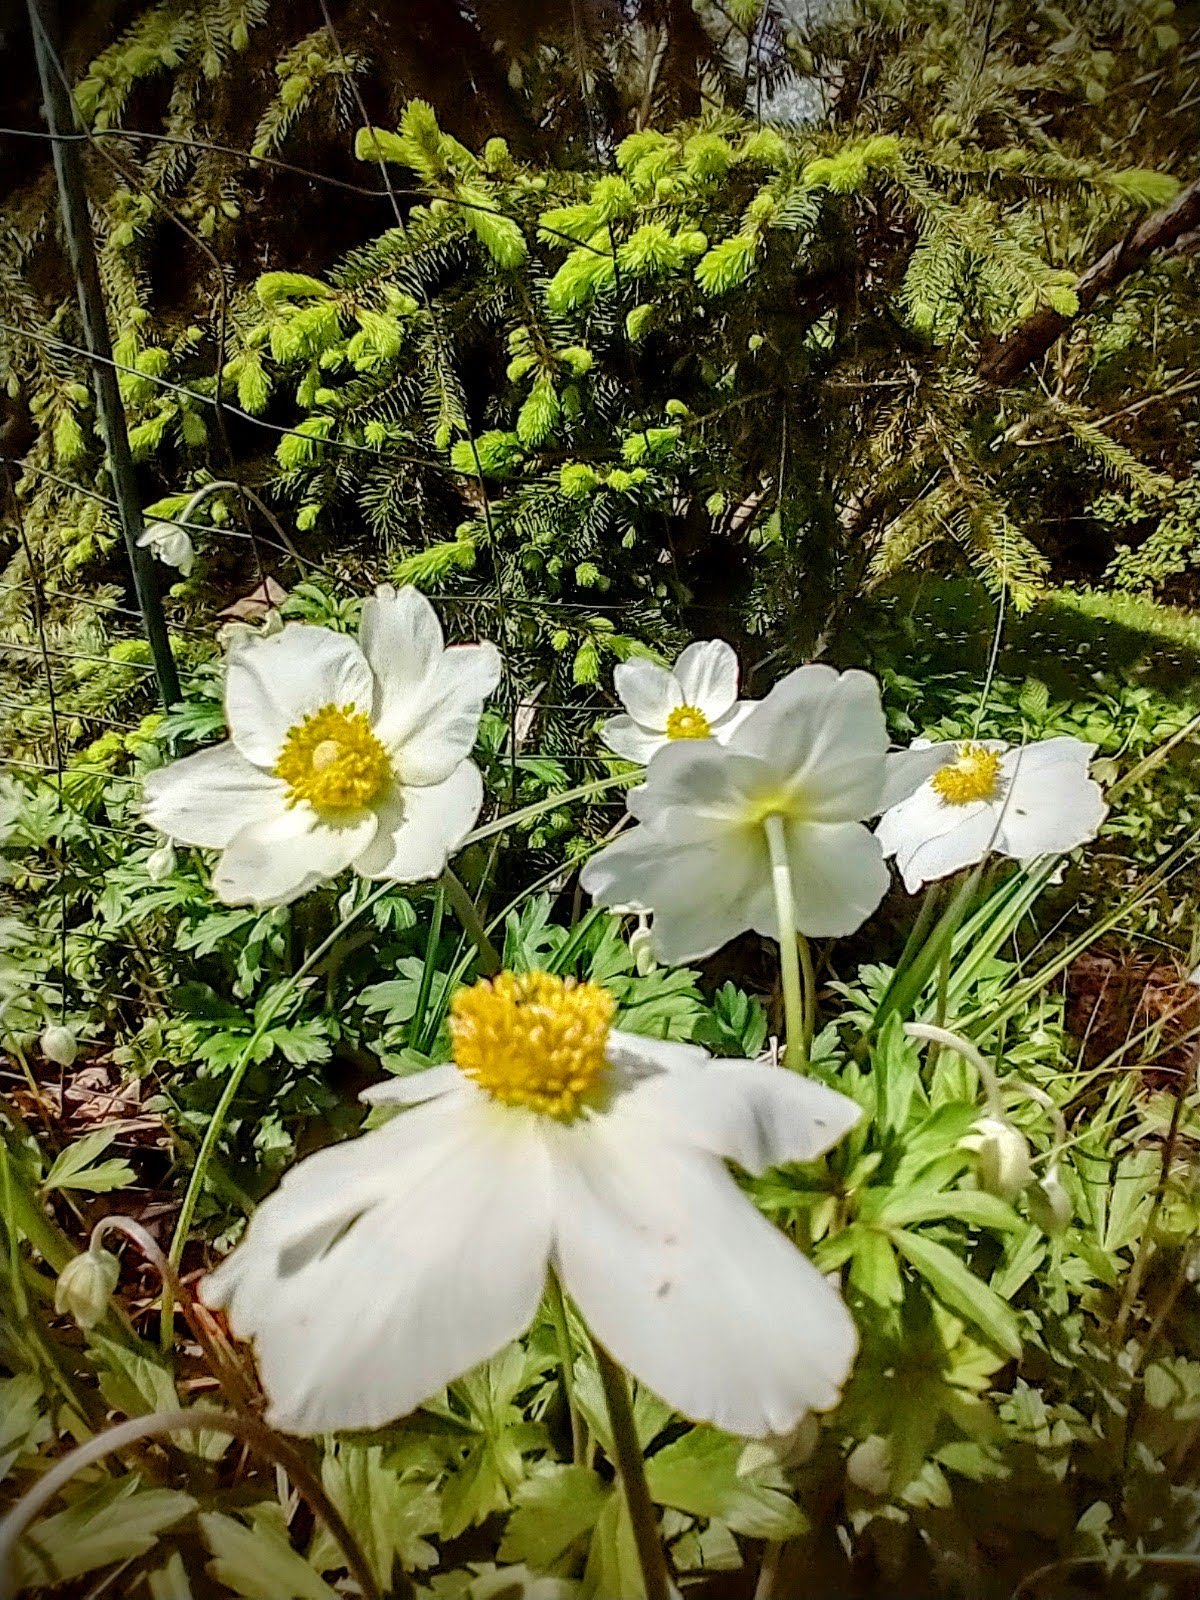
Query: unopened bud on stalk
[(1050, 1204), (170, 544), (641, 946), (85, 1287), (160, 863), (1003, 1157), (59, 1044)]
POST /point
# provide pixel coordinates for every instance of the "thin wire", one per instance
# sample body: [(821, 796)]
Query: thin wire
[(77, 716), (103, 605), (76, 655), (379, 453)]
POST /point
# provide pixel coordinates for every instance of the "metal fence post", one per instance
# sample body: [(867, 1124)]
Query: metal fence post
[(109, 409)]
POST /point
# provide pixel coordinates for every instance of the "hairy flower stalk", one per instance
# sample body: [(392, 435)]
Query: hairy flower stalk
[(796, 1047)]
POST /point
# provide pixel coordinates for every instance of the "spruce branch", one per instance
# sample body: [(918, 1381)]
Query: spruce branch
[(1164, 230)]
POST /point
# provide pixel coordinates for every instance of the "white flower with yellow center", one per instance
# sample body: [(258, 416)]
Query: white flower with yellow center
[(1022, 801), (694, 699), (786, 793), (341, 753), (385, 1267)]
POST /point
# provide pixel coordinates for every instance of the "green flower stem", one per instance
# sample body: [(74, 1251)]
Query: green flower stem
[(566, 1361), (284, 991), (810, 993), (795, 1054), (268, 1011), (627, 1458), (464, 909)]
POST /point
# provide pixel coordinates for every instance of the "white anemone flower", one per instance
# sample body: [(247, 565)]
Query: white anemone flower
[(1022, 801), (790, 788), (341, 753), (694, 699), (171, 545), (383, 1268)]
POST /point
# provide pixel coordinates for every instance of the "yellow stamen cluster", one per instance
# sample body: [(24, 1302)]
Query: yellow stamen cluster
[(688, 722), (532, 1039), (974, 776), (334, 761)]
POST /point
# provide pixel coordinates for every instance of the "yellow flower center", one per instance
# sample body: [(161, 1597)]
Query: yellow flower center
[(334, 761), (532, 1039), (974, 776), (688, 722)]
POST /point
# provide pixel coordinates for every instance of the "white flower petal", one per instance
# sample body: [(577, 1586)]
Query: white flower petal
[(647, 691), (419, 828), (428, 699), (635, 1056), (275, 860), (906, 770), (414, 1087), (707, 672), (704, 889), (745, 1111), (1051, 805), (911, 823), (274, 683), (967, 834), (689, 1287), (838, 878), (824, 735), (436, 726), (205, 799), (383, 1270), (401, 637), (695, 784), (630, 740), (733, 719)]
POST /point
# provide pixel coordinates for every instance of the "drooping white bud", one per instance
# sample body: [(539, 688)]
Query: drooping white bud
[(161, 863), (641, 945), (1003, 1158), (85, 1287), (1050, 1204), (169, 544), (869, 1465), (59, 1044)]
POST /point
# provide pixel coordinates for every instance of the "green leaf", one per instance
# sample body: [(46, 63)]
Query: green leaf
[(258, 1562), (117, 1521), (389, 1514), (73, 1168), (554, 1509), (170, 1582), (275, 289), (612, 1565), (972, 1206), (957, 1287), (700, 1474), (23, 1422), (874, 1271)]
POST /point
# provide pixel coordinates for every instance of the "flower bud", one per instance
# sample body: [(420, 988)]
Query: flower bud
[(160, 863), (1050, 1204), (1003, 1157), (869, 1465), (641, 945), (169, 544), (85, 1287), (58, 1044)]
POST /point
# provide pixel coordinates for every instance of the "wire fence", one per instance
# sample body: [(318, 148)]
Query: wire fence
[(87, 672)]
